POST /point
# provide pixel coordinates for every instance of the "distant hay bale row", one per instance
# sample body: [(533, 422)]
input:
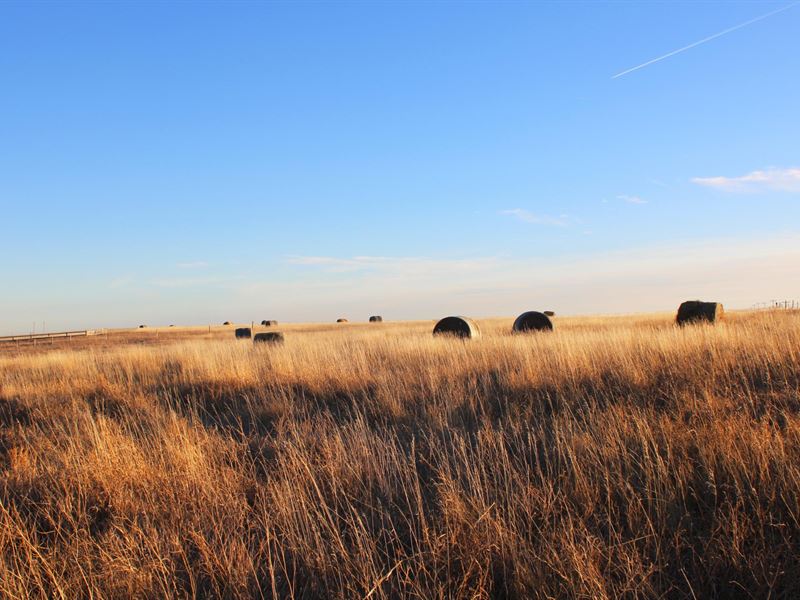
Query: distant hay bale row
[(692, 311), (273, 323), (696, 311)]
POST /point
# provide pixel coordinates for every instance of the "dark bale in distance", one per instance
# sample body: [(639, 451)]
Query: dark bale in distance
[(461, 327), (142, 326), (243, 332), (227, 323), (376, 319), (696, 311), (269, 337), (532, 321), (269, 323), (341, 320), (549, 313)]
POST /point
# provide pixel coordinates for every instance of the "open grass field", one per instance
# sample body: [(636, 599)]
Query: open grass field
[(614, 457)]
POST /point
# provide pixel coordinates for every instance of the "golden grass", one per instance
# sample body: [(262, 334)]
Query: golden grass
[(614, 457)]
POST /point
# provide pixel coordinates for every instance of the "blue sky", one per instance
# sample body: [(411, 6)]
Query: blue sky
[(197, 162)]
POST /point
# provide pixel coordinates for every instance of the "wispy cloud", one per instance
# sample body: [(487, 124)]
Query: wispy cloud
[(338, 265), (401, 266), (121, 282), (772, 179), (197, 264), (528, 217), (704, 40), (632, 199), (187, 282)]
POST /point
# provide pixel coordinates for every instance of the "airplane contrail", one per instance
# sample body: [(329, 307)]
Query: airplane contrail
[(704, 40)]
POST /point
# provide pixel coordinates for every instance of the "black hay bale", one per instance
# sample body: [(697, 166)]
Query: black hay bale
[(549, 313), (269, 323), (142, 326), (341, 320), (243, 332), (376, 319), (461, 327), (268, 337), (227, 323), (532, 321), (695, 311)]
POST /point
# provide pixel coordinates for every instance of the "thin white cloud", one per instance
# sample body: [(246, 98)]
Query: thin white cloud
[(632, 199), (197, 264), (314, 260), (338, 265), (401, 266), (704, 40), (772, 179), (121, 282), (181, 282), (528, 217)]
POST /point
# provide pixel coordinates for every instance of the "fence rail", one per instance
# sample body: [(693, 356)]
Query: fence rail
[(33, 337), (778, 304)]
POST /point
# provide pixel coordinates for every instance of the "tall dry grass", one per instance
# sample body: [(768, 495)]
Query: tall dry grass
[(615, 457)]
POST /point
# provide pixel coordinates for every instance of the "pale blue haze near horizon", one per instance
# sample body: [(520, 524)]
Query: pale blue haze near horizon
[(198, 162)]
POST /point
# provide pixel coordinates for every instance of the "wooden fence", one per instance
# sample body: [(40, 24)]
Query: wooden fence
[(34, 337), (778, 304)]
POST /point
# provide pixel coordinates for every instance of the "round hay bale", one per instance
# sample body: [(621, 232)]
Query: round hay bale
[(696, 311), (532, 321), (142, 326), (269, 337), (460, 327), (341, 320), (227, 323), (269, 323), (549, 313), (376, 319), (243, 332)]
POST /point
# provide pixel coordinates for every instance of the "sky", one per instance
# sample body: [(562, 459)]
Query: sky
[(193, 163)]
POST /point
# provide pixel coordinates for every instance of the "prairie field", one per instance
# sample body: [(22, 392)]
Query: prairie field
[(614, 457)]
